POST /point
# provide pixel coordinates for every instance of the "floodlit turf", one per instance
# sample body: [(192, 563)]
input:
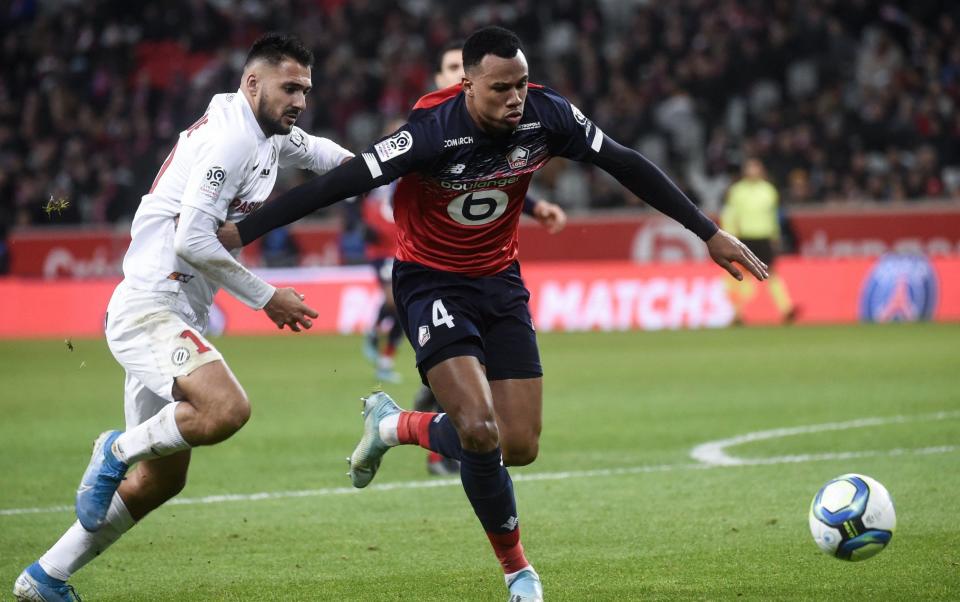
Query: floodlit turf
[(664, 528)]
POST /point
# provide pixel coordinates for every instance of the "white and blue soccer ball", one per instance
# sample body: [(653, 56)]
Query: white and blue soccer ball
[(852, 517)]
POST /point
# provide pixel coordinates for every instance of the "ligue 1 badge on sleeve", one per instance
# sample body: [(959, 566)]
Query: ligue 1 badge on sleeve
[(899, 288)]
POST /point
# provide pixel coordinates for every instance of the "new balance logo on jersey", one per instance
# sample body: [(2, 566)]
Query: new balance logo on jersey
[(456, 169), (423, 335)]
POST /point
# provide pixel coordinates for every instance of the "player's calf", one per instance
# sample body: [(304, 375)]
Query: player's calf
[(520, 454)]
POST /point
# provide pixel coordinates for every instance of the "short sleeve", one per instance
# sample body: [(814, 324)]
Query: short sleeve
[(409, 149), (217, 175), (570, 133), (319, 155)]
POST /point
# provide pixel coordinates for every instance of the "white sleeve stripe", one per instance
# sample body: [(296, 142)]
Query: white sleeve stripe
[(597, 139), (372, 165)]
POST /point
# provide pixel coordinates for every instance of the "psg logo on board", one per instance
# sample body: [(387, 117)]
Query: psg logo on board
[(899, 288)]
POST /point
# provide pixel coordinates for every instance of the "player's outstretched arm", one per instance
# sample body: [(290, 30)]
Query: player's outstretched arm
[(349, 179), (196, 243), (644, 179)]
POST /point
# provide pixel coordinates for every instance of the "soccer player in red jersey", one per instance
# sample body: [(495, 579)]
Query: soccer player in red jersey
[(466, 156), (551, 216)]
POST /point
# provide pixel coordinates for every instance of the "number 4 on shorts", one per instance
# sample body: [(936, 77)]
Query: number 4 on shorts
[(440, 315)]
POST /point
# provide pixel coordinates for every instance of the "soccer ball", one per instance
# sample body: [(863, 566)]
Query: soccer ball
[(852, 517)]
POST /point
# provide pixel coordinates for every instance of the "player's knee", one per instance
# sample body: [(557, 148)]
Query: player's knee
[(227, 415), (479, 434)]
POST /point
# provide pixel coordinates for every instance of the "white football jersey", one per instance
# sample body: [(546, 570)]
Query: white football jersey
[(224, 166)]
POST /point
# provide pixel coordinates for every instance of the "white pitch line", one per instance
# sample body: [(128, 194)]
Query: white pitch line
[(533, 477), (714, 452)]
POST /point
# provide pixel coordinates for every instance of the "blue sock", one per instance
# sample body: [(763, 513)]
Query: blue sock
[(444, 438), (489, 489)]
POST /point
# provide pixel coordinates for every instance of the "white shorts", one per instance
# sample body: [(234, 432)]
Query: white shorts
[(151, 335)]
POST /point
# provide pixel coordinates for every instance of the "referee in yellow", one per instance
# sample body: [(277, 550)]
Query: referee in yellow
[(750, 214)]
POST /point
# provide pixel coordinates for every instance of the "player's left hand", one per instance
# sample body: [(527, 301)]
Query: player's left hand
[(551, 216), (229, 236), (726, 248)]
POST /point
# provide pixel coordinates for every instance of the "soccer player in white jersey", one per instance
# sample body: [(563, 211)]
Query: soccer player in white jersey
[(179, 392)]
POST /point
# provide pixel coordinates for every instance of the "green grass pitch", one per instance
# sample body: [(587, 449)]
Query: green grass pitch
[(615, 508)]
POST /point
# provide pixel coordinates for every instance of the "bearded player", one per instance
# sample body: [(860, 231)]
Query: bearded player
[(179, 392)]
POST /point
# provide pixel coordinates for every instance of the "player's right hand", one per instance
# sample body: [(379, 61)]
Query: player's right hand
[(229, 236), (286, 308), (550, 215), (725, 249)]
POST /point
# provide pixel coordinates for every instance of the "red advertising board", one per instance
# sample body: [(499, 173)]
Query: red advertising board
[(570, 296), (643, 238)]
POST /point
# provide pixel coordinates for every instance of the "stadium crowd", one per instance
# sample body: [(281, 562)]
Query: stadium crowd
[(843, 100)]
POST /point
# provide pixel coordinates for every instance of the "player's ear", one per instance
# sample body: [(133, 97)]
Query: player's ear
[(251, 83), (467, 86)]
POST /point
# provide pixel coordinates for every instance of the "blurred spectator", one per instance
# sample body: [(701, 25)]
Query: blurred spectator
[(279, 249), (861, 97)]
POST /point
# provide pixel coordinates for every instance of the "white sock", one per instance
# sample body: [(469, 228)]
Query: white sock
[(78, 546), (509, 577), (388, 430), (153, 438)]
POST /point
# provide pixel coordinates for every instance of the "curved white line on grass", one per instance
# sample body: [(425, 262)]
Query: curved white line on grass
[(532, 477), (713, 453)]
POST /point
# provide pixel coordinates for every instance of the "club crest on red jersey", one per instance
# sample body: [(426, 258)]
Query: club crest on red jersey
[(517, 157)]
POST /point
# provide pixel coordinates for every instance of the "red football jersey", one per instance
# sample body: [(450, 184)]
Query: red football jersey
[(458, 205)]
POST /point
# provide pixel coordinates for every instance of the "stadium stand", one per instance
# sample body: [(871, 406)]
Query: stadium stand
[(846, 100)]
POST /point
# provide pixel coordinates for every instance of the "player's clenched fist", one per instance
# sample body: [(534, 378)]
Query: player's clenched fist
[(286, 307)]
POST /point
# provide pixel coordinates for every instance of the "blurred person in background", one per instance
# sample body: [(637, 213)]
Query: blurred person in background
[(752, 214), (380, 235)]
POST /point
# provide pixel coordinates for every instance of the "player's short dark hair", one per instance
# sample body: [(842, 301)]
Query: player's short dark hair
[(451, 45), (273, 47), (489, 40)]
